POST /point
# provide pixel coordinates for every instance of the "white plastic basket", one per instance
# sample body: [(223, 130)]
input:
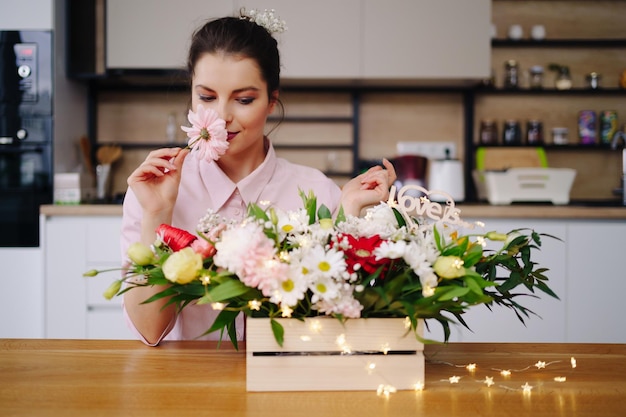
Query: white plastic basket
[(525, 184)]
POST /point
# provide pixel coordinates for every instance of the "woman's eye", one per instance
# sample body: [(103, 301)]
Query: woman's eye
[(245, 100), (206, 98)]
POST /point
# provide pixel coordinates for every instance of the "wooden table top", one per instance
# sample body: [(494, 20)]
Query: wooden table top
[(125, 378)]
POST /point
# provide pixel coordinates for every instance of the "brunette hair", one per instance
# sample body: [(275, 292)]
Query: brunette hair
[(236, 36)]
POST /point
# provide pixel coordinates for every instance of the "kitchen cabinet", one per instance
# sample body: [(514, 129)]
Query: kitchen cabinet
[(74, 305), (322, 40), (433, 40), (22, 296), (596, 283), (438, 41), (149, 34)]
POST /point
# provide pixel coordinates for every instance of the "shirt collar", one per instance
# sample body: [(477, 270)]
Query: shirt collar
[(250, 188)]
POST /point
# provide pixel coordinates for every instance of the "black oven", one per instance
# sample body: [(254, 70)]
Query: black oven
[(26, 122)]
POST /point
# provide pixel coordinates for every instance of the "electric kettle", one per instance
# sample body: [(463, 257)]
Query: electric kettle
[(446, 175)]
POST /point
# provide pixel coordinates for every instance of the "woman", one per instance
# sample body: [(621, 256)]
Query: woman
[(234, 67)]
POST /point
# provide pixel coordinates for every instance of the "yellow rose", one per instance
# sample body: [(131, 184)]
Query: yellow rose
[(140, 254), (182, 267), (449, 267)]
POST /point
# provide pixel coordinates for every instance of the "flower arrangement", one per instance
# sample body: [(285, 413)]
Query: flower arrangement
[(405, 258)]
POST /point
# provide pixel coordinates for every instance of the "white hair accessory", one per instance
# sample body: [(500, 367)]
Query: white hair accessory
[(266, 19)]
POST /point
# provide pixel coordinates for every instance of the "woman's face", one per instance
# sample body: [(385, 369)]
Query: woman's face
[(233, 86)]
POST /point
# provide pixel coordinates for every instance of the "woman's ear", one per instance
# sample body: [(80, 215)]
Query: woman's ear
[(273, 100)]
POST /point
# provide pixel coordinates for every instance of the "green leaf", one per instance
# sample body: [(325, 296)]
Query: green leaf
[(229, 289), (279, 332), (453, 292), (257, 212), (324, 213)]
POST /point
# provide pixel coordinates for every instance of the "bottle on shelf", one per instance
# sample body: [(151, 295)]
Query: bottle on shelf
[(511, 74), (488, 132), (512, 133), (536, 77), (534, 132)]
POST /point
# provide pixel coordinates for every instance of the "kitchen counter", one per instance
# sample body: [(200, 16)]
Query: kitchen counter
[(113, 377), (471, 210)]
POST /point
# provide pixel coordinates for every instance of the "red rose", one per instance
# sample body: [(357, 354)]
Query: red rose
[(174, 237)]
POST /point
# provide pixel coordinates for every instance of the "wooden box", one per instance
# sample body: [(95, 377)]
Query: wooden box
[(322, 354)]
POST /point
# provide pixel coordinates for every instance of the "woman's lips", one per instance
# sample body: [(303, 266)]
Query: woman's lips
[(231, 135)]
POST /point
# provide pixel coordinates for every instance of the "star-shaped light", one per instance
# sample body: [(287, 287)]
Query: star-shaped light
[(526, 388), (540, 364), (286, 311), (488, 381), (454, 379)]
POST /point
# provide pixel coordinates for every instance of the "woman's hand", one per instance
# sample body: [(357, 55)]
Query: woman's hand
[(155, 182), (368, 189)]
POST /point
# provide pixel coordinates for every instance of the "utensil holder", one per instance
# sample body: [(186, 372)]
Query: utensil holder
[(103, 176)]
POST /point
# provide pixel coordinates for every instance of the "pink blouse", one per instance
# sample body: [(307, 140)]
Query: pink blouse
[(204, 185)]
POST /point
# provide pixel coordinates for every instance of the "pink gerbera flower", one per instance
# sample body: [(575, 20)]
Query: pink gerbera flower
[(207, 134)]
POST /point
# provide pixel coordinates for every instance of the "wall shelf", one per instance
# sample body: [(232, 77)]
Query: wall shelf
[(559, 43)]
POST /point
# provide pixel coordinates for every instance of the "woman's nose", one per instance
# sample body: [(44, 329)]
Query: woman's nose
[(223, 110)]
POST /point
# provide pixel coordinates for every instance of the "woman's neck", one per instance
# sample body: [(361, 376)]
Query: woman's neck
[(237, 167)]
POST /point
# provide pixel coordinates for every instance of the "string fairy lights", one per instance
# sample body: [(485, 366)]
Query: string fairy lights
[(506, 374)]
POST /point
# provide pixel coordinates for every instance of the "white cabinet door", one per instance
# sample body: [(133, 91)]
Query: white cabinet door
[(22, 295), (323, 39), (501, 324), (75, 307), (596, 282), (426, 39), (155, 34)]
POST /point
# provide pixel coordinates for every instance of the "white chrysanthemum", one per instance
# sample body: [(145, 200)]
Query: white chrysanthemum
[(291, 222), (390, 250), (326, 263), (324, 288), (292, 289)]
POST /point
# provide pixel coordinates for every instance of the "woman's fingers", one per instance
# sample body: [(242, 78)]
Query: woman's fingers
[(158, 163), (378, 176)]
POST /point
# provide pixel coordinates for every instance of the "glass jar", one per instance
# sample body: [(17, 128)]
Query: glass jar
[(560, 135), (488, 132), (512, 133), (534, 132), (511, 74), (536, 77), (563, 79)]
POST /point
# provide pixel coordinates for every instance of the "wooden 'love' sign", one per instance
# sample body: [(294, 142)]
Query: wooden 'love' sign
[(412, 202)]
